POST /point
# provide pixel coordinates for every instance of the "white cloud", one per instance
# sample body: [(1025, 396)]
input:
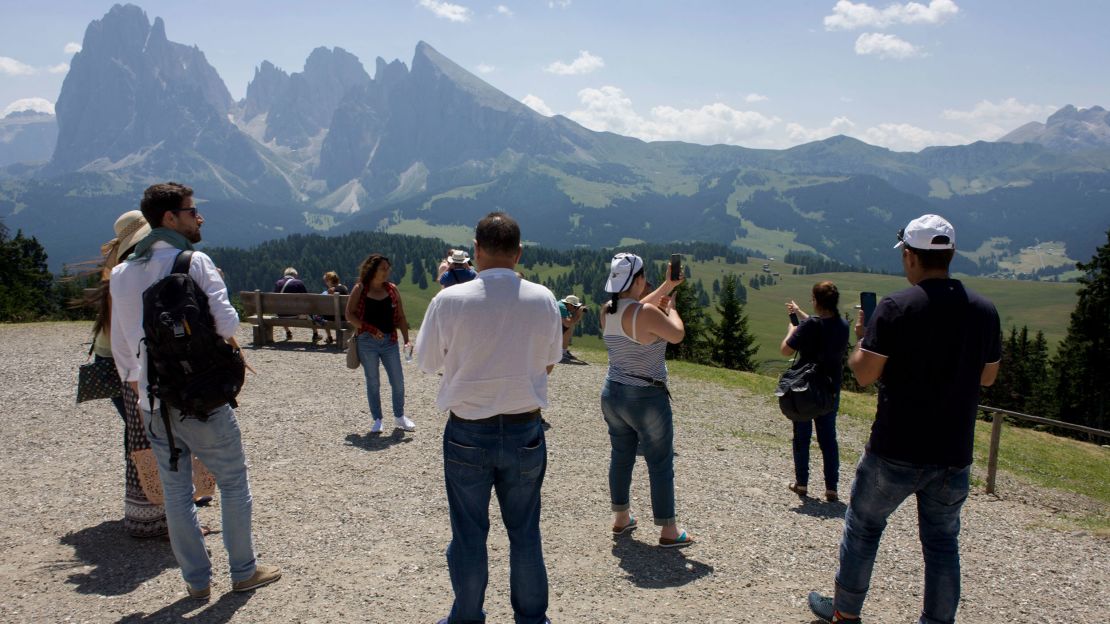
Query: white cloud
[(12, 67), (504, 10), (584, 64), (886, 46), (609, 109), (797, 133), (485, 68), (447, 10), (752, 98), (989, 120), (849, 15), (60, 68), (903, 137), (72, 47), (561, 4), (37, 104), (538, 105)]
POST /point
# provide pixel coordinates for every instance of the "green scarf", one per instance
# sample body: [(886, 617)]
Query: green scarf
[(145, 246)]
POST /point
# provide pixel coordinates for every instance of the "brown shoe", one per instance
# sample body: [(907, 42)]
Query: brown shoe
[(263, 575), (800, 490), (830, 495), (200, 594)]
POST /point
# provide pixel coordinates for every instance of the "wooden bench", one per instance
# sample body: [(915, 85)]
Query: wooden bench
[(261, 309)]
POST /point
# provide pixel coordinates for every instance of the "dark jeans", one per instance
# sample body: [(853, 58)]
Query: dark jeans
[(880, 486), (510, 459), (640, 417), (826, 439)]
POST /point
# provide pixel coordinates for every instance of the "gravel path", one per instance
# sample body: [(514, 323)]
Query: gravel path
[(360, 523)]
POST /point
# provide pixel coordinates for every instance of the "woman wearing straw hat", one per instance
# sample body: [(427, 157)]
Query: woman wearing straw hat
[(637, 326), (141, 518)]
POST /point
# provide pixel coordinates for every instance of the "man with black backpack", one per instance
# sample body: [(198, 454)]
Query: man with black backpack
[(173, 338)]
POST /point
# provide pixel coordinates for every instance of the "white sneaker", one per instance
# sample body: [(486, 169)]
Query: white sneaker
[(377, 426), (404, 423)]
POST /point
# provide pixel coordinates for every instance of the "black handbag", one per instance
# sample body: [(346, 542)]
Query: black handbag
[(98, 379), (805, 392)]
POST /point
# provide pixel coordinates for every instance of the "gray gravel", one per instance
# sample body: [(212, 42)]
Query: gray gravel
[(360, 524)]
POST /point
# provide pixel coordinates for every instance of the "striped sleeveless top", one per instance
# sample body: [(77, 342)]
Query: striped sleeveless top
[(627, 356)]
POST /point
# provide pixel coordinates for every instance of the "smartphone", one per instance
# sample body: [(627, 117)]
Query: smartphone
[(867, 302), (676, 267), (793, 319)]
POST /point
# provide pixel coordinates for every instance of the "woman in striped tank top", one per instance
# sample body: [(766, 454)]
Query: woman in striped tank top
[(637, 327)]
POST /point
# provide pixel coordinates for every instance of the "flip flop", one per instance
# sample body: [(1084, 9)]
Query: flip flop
[(626, 528), (679, 542)]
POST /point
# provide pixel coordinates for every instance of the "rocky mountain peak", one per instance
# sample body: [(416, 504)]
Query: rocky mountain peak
[(1069, 129), (305, 106), (268, 84)]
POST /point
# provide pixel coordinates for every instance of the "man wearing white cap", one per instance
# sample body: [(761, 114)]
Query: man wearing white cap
[(932, 345)]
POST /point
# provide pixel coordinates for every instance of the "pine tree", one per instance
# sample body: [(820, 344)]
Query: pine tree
[(26, 285), (1082, 362), (697, 345), (734, 344)]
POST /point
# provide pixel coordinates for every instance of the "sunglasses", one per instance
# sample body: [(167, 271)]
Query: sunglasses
[(902, 235), (192, 211)]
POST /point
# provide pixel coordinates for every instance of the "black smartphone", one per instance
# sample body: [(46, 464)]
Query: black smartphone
[(867, 302), (676, 267), (793, 319)]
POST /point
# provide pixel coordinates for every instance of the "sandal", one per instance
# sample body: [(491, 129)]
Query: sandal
[(626, 528), (800, 490), (678, 542)]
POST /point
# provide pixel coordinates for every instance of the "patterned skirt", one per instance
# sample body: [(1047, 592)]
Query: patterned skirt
[(141, 518)]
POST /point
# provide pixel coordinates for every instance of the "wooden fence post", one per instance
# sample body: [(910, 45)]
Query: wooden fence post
[(992, 458), (262, 333)]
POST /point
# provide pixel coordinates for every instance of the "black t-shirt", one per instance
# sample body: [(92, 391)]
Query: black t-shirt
[(294, 285), (824, 341), (936, 336)]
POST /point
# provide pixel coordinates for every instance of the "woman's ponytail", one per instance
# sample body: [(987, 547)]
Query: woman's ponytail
[(613, 303)]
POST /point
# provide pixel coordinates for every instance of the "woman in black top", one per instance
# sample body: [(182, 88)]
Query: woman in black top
[(821, 338), (375, 309)]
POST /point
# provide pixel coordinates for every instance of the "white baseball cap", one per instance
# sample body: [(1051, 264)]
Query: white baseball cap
[(928, 232), (621, 271)]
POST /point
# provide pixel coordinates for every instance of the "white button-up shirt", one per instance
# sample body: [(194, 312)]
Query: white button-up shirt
[(128, 282), (494, 336)]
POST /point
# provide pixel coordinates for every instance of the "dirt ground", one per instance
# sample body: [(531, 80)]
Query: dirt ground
[(359, 523)]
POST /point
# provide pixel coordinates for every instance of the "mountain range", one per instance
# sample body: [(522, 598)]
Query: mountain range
[(428, 148)]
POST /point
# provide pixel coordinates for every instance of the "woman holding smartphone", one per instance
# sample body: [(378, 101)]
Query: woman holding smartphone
[(637, 325), (375, 309), (821, 338)]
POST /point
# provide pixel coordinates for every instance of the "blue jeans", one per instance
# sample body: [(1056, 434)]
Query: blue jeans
[(217, 442), (372, 350), (880, 486), (640, 417), (511, 460), (826, 439)]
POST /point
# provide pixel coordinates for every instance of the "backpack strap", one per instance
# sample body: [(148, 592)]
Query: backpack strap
[(183, 261)]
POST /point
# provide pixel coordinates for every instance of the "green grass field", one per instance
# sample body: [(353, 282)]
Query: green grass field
[(1044, 306)]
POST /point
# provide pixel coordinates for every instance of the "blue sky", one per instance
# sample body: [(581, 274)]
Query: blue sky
[(760, 74)]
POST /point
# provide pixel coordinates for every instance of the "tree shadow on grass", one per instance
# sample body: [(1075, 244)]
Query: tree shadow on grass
[(377, 441), (120, 563), (651, 567), (214, 613)]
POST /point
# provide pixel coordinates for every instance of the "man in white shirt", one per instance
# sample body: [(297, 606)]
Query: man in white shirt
[(496, 338), (171, 211)]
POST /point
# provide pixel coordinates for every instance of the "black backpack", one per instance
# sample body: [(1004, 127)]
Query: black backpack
[(189, 366)]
